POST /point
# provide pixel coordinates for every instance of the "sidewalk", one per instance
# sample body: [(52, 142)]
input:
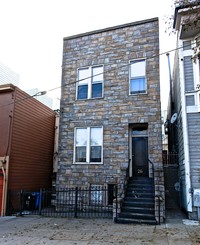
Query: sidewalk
[(39, 230)]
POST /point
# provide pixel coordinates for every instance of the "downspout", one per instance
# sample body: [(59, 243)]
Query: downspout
[(56, 135), (3, 193), (5, 161), (188, 191), (170, 84), (172, 148), (5, 184)]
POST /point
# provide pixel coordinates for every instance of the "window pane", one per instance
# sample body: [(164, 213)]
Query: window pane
[(96, 136), (186, 45), (81, 137), (82, 92), (95, 72), (138, 85), (96, 194), (138, 68), (97, 90), (95, 154), (82, 75), (81, 154)]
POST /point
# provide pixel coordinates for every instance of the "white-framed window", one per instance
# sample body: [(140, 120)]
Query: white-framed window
[(191, 75), (90, 83), (88, 145), (138, 76)]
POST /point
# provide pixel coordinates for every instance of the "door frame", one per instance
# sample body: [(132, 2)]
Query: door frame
[(131, 128)]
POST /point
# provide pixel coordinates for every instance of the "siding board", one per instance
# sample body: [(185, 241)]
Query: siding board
[(31, 160), (188, 73), (193, 120)]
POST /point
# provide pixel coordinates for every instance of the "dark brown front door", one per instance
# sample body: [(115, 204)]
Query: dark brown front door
[(140, 156)]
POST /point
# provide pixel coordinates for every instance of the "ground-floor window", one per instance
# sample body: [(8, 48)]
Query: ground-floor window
[(96, 194), (88, 145)]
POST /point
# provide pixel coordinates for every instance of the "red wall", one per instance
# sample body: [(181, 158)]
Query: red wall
[(31, 156), (6, 111)]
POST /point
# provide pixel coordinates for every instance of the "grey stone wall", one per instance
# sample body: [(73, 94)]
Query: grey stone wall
[(113, 48)]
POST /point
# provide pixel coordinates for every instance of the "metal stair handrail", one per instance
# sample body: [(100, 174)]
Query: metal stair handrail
[(152, 164), (124, 182)]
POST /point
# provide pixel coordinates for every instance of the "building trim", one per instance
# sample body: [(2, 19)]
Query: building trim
[(188, 201), (111, 28)]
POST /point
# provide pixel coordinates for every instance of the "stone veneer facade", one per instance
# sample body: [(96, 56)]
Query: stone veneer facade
[(116, 111)]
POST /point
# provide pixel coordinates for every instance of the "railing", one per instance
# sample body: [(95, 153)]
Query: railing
[(124, 185), (152, 167), (71, 202), (158, 197), (170, 158)]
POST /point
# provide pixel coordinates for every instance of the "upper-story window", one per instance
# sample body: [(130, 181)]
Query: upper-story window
[(138, 76), (191, 74), (90, 83)]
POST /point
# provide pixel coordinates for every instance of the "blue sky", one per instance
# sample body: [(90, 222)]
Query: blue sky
[(32, 34)]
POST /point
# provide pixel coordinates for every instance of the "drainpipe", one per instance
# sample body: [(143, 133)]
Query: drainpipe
[(170, 114), (3, 193), (186, 162), (4, 167), (170, 84), (56, 135)]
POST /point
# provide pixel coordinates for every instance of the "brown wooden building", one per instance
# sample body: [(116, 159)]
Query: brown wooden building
[(26, 143)]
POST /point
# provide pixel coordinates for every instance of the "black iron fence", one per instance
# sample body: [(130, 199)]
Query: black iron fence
[(96, 201), (170, 158)]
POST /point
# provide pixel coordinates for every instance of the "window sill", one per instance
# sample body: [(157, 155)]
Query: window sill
[(87, 163), (139, 93), (193, 109), (97, 98)]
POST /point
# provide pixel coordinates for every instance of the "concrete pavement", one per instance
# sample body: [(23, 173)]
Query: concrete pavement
[(40, 230)]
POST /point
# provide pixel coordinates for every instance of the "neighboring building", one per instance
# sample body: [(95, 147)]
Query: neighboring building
[(27, 129), (8, 76), (110, 119), (184, 116)]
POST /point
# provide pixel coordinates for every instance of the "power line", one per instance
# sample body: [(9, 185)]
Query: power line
[(113, 69), (89, 77)]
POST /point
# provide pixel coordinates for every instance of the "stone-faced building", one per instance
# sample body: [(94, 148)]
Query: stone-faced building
[(110, 120)]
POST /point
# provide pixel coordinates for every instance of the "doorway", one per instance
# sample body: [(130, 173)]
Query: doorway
[(140, 156)]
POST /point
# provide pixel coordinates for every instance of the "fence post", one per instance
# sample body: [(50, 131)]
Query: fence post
[(116, 204), (159, 210), (76, 202), (21, 202), (40, 202)]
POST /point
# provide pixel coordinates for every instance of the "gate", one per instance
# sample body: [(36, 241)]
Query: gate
[(172, 185)]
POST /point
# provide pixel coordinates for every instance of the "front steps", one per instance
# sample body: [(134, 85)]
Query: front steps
[(138, 204)]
